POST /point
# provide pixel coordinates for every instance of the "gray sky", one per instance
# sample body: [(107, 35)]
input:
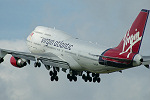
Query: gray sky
[(101, 21)]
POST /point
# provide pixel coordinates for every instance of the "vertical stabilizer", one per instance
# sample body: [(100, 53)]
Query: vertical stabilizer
[(126, 53), (133, 38)]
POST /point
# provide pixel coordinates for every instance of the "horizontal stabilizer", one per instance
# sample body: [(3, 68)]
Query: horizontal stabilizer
[(146, 61), (147, 66)]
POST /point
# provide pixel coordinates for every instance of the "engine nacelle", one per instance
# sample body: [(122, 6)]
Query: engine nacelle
[(18, 62), (137, 61)]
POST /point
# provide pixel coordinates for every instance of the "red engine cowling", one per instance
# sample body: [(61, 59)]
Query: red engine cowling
[(17, 62)]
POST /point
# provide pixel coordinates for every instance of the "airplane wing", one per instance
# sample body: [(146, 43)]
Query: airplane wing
[(46, 58), (24, 55)]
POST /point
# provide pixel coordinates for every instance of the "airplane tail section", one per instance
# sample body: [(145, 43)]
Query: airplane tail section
[(133, 38), (126, 53)]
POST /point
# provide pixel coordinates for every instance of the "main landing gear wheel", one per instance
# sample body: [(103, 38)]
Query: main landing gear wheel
[(98, 80), (95, 77), (72, 77), (53, 75), (54, 78), (84, 77), (37, 64), (87, 77), (90, 79)]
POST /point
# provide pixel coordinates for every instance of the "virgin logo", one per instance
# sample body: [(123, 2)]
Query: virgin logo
[(129, 41)]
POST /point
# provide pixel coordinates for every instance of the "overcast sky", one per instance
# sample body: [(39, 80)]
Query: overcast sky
[(101, 21)]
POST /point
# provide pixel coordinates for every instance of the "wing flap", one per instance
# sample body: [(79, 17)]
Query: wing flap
[(45, 58), (54, 61)]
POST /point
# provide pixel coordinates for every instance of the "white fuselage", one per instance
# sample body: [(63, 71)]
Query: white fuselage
[(79, 54)]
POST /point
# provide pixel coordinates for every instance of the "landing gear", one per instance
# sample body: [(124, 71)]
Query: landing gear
[(37, 64), (57, 69), (96, 78), (54, 78), (72, 76), (47, 67), (89, 78), (53, 75)]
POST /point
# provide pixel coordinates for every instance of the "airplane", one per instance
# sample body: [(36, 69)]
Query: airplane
[(57, 50)]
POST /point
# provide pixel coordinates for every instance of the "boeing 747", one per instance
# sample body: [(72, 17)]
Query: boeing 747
[(56, 50)]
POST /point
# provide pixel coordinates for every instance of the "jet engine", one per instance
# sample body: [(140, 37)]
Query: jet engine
[(18, 62)]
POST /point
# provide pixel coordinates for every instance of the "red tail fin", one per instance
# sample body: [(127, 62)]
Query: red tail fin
[(133, 38), (122, 55)]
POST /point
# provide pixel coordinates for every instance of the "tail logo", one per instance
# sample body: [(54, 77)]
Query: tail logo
[(129, 41)]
